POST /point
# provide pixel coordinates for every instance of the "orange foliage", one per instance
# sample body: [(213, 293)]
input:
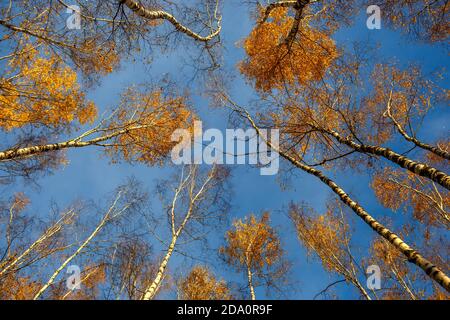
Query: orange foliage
[(13, 287), (150, 119), (324, 235), (396, 189), (253, 243), (200, 284), (394, 266), (407, 94), (41, 90), (272, 62), (96, 58)]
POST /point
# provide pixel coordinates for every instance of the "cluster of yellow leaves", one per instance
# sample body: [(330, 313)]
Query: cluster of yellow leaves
[(396, 189), (252, 244), (323, 235), (387, 191), (272, 62), (13, 287), (150, 119), (382, 251), (97, 58), (407, 93), (41, 90), (200, 284)]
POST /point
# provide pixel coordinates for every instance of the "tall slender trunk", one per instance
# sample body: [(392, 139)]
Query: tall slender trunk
[(50, 232), (69, 259), (153, 289), (250, 283), (33, 150), (416, 167), (249, 270), (362, 290), (412, 255)]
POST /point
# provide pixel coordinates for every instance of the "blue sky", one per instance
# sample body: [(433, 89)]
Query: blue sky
[(89, 175)]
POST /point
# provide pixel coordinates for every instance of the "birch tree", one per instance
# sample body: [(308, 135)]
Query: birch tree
[(196, 203), (407, 192), (18, 256), (328, 237), (253, 247), (114, 212), (131, 268), (41, 100), (275, 53), (112, 30), (27, 244), (138, 130), (201, 284), (413, 256)]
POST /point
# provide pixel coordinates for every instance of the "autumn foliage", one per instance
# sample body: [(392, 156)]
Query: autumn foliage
[(200, 284), (149, 119), (407, 192), (273, 62), (328, 237), (371, 130), (252, 243), (253, 247), (40, 90)]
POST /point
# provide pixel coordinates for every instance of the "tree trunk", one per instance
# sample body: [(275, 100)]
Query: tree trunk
[(68, 260), (362, 290), (418, 168), (33, 150), (148, 14), (250, 283), (153, 289), (412, 255)]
